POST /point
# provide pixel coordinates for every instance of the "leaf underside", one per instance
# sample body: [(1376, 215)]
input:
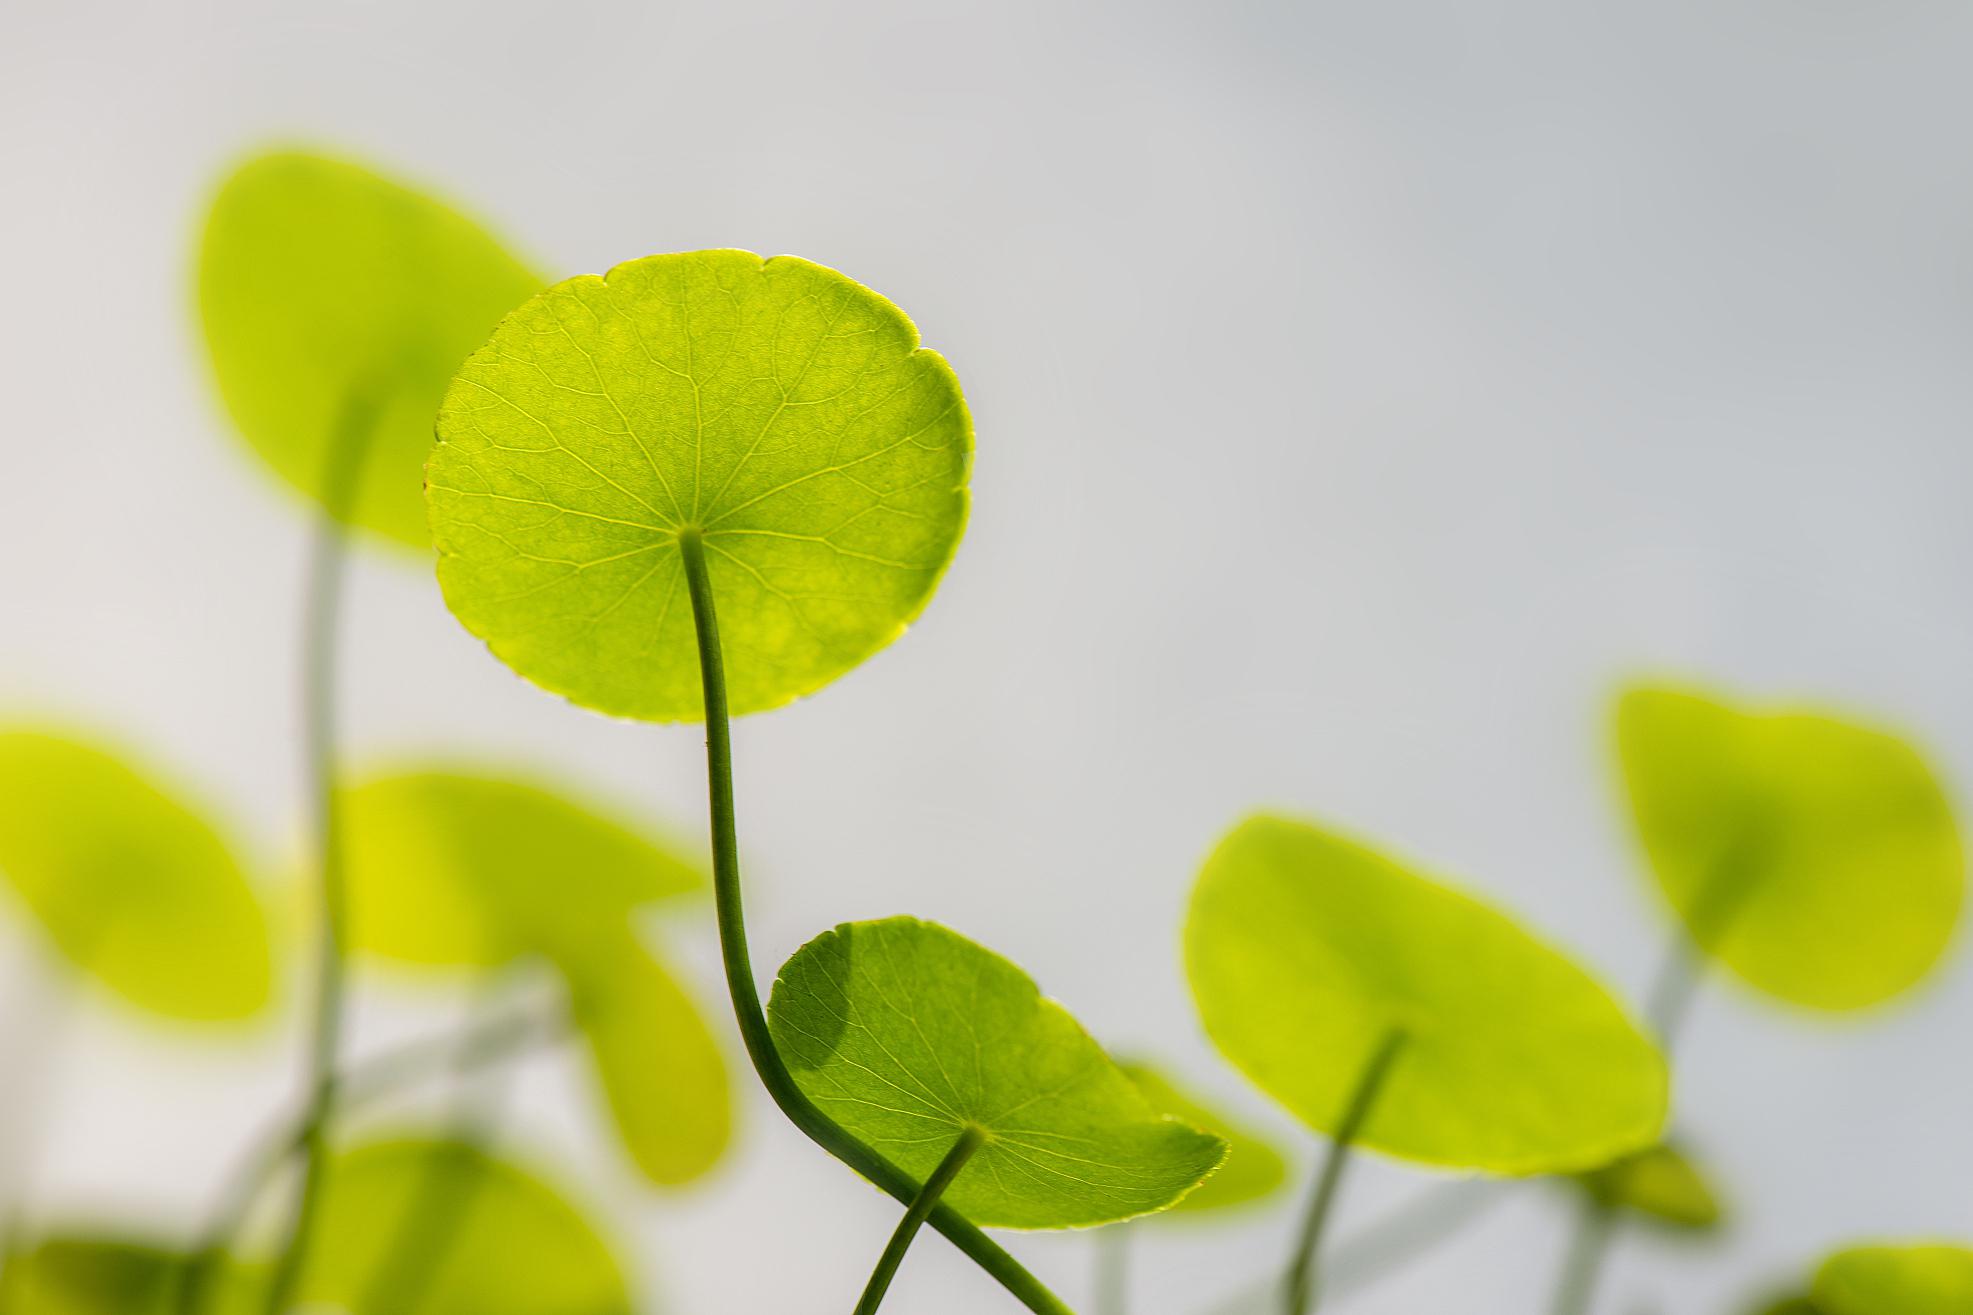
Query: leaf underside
[(1254, 1168), (1921, 1279)]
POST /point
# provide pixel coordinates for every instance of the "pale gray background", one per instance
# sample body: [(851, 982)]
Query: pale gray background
[(1362, 391)]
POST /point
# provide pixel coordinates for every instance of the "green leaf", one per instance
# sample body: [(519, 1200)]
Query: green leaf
[(776, 408), (906, 1033), (90, 1275), (1306, 951), (456, 868), (661, 1069), (1660, 1183), (133, 887), (1924, 1279), (504, 1241), (1817, 859), (323, 288), (1253, 1169)]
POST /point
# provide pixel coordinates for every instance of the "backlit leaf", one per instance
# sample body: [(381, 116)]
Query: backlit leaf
[(133, 887), (1253, 1169), (1817, 859), (1660, 1183), (325, 288), (776, 408), (1306, 951), (1925, 1279), (906, 1033)]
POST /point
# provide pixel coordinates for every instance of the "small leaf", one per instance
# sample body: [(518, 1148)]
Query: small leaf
[(457, 868), (134, 888), (660, 1067), (1253, 1169), (1660, 1183), (782, 412), (325, 287), (1817, 859), (1924, 1279), (906, 1033), (504, 1242), (90, 1275), (1306, 951)]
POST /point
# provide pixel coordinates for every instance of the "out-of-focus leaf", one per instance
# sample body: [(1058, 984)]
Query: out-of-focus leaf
[(1253, 1169), (782, 413), (1920, 1279), (659, 1065), (89, 1275), (1817, 859), (337, 300), (1661, 1183), (907, 1033), (136, 889), (1308, 952)]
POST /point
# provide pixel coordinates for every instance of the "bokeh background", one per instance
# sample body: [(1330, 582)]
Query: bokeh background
[(1363, 391)]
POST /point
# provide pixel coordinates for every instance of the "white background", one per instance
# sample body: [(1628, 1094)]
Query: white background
[(1363, 391)]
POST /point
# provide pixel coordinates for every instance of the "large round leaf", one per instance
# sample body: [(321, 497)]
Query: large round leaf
[(1253, 1170), (778, 410), (1927, 1279), (136, 889), (1817, 859), (1661, 1183), (1307, 951), (337, 305), (906, 1033)]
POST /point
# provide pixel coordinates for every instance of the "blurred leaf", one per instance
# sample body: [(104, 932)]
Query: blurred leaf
[(1253, 1168), (461, 869), (135, 889), (1816, 859), (657, 1060), (1660, 1183), (782, 410), (324, 286), (1306, 951), (906, 1033), (86, 1275), (1924, 1279), (503, 1241)]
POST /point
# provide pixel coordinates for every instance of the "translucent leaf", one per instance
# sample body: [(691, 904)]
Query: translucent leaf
[(780, 411), (660, 1067), (1306, 951), (1925, 1279), (88, 1275), (906, 1033), (1660, 1183), (1253, 1169), (458, 868), (326, 289), (492, 1238), (136, 889), (1817, 859)]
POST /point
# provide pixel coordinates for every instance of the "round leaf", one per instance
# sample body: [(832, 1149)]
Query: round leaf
[(511, 1244), (780, 411), (133, 887), (89, 1275), (1817, 859), (1660, 1183), (1306, 951), (333, 297), (1253, 1169), (457, 868), (1928, 1279), (906, 1033)]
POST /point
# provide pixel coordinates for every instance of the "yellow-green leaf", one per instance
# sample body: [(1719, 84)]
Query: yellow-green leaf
[(135, 889), (1922, 1279), (1307, 952), (1253, 1169), (89, 1275), (1817, 859), (907, 1033), (1661, 1183), (782, 413), (337, 305)]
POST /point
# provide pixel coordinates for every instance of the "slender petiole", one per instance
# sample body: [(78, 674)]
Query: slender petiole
[(971, 1139), (740, 985), (1113, 1270), (1299, 1289)]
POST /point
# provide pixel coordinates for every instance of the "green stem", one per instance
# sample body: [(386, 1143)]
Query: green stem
[(349, 445), (1576, 1286), (1113, 1270), (970, 1139), (1299, 1291), (759, 1043)]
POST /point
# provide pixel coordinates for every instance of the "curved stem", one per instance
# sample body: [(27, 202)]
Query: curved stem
[(970, 1139), (773, 1073), (1299, 1291)]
